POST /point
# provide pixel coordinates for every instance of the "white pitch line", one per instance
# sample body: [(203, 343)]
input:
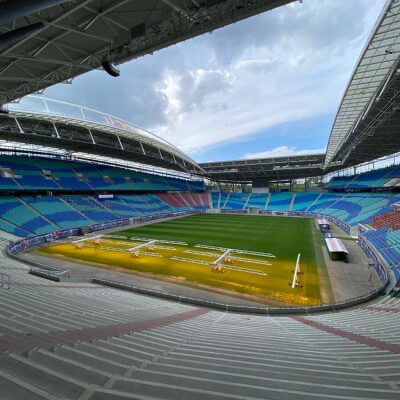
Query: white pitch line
[(249, 271), (254, 253), (139, 239), (115, 237), (145, 253), (123, 250), (164, 248), (190, 260), (250, 261), (201, 253)]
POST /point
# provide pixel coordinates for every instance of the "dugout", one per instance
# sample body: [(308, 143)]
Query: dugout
[(323, 225), (337, 250)]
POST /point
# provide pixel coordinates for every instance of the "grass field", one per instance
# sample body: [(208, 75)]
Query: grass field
[(249, 275)]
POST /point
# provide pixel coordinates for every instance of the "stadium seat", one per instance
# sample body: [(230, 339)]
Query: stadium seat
[(257, 200), (279, 201), (58, 211), (16, 212), (90, 208), (237, 201)]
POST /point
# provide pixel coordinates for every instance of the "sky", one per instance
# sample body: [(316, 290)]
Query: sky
[(267, 86)]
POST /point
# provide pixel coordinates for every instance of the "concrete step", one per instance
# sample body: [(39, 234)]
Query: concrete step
[(121, 358), (18, 326), (6, 330), (12, 388), (240, 375), (261, 361), (254, 353), (137, 344), (90, 360), (160, 337), (73, 369), (266, 368), (273, 389), (107, 394), (163, 391), (41, 377)]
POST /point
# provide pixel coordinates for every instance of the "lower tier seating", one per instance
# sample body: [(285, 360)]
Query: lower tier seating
[(57, 211), (390, 219), (236, 201), (387, 242), (74, 340), (14, 211), (91, 208)]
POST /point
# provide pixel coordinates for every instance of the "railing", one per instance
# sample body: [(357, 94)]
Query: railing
[(242, 308), (5, 280)]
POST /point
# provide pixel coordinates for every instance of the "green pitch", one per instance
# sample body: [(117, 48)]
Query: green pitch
[(281, 236)]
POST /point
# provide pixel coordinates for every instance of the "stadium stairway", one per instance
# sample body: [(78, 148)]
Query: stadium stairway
[(86, 341), (314, 202), (291, 203), (267, 202)]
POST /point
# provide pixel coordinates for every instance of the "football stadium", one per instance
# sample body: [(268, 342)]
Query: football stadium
[(131, 271)]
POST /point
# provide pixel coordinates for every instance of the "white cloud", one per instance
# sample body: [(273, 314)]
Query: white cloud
[(282, 66), (282, 151)]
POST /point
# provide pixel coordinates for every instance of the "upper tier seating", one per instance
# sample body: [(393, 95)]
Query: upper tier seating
[(27, 174), (373, 179), (368, 180), (237, 201), (57, 211), (340, 182), (7, 183), (279, 201), (63, 173), (196, 185), (42, 173), (177, 184)]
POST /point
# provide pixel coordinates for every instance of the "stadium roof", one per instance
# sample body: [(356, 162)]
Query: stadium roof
[(52, 123), (44, 42), (58, 40), (270, 169), (367, 122)]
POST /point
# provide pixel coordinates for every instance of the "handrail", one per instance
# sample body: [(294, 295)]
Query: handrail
[(5, 280), (241, 308)]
